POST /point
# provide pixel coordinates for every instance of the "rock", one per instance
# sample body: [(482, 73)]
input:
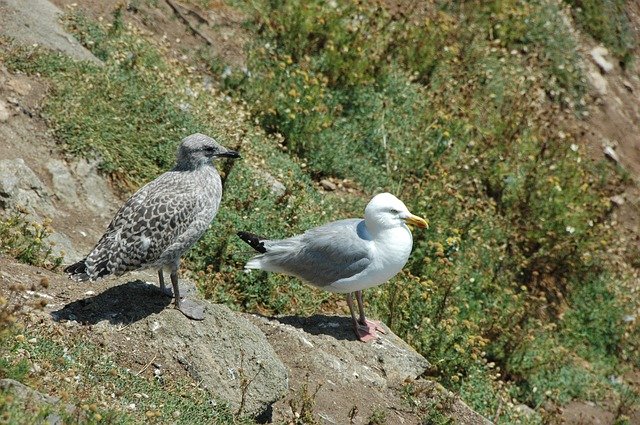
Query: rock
[(611, 154), (64, 185), (323, 351), (62, 246), (618, 200), (4, 112), (277, 188), (328, 185), (598, 55), (225, 353), (37, 22), (21, 187), (92, 188), (35, 401), (228, 355), (24, 392), (525, 411), (598, 82), (329, 343), (627, 85)]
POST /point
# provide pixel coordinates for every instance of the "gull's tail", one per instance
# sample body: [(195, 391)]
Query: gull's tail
[(257, 243), (254, 241), (80, 271), (77, 271)]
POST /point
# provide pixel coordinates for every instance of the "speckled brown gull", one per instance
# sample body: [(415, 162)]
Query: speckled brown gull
[(345, 256), (161, 221)]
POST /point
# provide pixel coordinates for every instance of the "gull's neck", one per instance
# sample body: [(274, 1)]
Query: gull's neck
[(184, 164), (379, 231)]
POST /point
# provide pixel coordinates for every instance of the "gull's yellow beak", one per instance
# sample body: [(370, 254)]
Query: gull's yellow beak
[(417, 221)]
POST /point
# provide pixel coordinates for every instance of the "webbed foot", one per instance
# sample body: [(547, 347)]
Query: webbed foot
[(191, 309), (367, 331)]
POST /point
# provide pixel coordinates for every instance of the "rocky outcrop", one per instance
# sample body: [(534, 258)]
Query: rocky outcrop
[(80, 181), (349, 381), (36, 178), (328, 345), (226, 353), (36, 22), (258, 366), (229, 355), (20, 188)]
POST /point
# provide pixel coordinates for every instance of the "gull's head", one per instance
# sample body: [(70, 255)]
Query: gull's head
[(385, 211), (198, 149)]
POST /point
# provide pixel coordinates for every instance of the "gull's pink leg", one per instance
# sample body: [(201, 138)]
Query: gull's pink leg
[(370, 326), (365, 330)]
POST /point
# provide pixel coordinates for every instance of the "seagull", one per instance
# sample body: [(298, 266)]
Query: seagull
[(345, 256), (161, 221)]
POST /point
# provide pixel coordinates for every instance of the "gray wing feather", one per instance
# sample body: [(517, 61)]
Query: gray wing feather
[(324, 254)]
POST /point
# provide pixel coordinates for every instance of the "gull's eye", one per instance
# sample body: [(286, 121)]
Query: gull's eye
[(394, 211)]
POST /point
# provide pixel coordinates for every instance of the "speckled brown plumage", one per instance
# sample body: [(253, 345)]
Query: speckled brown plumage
[(163, 219)]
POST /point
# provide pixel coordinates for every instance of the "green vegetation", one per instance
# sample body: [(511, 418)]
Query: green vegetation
[(607, 22), (26, 240), (454, 108)]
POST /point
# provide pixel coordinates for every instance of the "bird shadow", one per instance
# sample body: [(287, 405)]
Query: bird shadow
[(121, 304), (339, 327)]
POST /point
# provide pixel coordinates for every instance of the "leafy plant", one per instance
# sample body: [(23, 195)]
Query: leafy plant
[(27, 241)]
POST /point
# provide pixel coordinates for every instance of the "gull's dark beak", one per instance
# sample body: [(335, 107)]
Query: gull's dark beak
[(229, 154)]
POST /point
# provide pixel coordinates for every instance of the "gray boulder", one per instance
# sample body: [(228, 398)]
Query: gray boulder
[(21, 188), (36, 21), (229, 355), (225, 353), (338, 374), (80, 181)]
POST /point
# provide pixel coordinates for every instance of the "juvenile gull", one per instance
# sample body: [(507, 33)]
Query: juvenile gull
[(161, 221), (345, 256)]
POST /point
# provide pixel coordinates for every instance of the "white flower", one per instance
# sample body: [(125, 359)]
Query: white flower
[(570, 229)]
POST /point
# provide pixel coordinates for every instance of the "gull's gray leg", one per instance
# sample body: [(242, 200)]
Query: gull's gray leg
[(163, 287), (189, 308)]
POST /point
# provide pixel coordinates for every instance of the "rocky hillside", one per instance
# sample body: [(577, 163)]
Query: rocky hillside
[(505, 306), (271, 369)]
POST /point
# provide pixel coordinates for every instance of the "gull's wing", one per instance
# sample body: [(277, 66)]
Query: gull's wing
[(146, 226), (322, 255)]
